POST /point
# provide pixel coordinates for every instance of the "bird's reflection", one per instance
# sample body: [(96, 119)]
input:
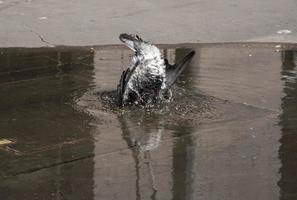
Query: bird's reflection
[(142, 131)]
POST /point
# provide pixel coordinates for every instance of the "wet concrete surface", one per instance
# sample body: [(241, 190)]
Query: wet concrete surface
[(229, 133)]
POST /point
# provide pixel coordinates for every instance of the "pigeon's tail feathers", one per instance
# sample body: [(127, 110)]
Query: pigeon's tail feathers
[(173, 71)]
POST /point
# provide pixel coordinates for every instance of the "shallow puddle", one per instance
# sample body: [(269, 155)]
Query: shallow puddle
[(229, 132)]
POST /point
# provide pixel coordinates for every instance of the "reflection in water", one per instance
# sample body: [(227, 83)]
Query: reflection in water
[(184, 150), (183, 162), (143, 132), (68, 146), (288, 151), (38, 88), (24, 64)]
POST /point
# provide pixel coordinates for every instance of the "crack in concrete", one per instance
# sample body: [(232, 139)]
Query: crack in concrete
[(39, 36), (42, 38), (32, 170)]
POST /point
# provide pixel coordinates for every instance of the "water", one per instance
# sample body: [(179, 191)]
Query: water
[(229, 133)]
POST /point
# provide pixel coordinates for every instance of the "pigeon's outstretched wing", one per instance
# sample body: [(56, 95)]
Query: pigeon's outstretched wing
[(173, 71), (134, 42), (126, 75)]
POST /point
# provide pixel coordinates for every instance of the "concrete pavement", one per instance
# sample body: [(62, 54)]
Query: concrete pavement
[(35, 23)]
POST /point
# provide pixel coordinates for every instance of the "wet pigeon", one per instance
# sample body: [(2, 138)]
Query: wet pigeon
[(149, 76)]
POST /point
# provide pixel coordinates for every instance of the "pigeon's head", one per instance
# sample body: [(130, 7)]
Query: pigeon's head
[(142, 49)]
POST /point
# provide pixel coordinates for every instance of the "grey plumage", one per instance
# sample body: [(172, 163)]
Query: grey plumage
[(149, 76)]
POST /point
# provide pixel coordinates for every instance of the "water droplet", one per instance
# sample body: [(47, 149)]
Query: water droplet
[(42, 18), (285, 31), (278, 46)]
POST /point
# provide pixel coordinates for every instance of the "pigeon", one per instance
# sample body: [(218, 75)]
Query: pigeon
[(149, 77)]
